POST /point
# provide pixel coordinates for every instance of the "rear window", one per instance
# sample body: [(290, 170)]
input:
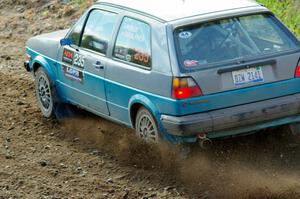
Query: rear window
[(237, 38)]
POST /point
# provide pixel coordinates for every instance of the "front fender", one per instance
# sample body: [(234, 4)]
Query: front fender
[(47, 67)]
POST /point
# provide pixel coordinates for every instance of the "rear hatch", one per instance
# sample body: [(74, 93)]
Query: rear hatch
[(238, 60)]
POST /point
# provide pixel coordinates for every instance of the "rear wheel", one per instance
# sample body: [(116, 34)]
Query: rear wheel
[(146, 127), (44, 93)]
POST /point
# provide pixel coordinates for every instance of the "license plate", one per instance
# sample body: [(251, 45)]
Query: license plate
[(247, 76)]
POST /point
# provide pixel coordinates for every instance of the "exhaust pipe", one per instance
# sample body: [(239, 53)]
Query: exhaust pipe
[(204, 142)]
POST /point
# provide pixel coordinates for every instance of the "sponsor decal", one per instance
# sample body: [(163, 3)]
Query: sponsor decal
[(185, 35), (68, 56), (190, 63), (132, 32), (74, 59), (73, 74), (77, 61)]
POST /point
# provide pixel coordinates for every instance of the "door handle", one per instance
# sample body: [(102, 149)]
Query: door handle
[(98, 65)]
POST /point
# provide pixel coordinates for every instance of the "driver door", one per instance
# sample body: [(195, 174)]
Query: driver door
[(83, 63)]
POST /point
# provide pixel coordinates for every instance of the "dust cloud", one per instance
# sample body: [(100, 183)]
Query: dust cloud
[(253, 167)]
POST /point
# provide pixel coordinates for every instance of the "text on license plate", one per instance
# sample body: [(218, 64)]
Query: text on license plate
[(246, 76)]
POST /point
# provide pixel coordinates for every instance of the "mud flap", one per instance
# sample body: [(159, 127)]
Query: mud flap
[(295, 128), (64, 111)]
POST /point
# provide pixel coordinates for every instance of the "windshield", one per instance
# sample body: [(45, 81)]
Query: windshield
[(236, 38)]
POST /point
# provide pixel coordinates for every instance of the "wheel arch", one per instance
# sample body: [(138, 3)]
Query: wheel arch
[(138, 101), (41, 62), (38, 62), (36, 66)]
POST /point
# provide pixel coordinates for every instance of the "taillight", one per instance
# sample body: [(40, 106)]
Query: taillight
[(184, 88), (297, 73)]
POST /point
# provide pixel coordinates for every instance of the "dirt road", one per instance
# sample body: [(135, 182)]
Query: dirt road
[(89, 157)]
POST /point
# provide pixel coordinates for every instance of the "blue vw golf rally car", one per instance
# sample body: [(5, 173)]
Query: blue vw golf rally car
[(177, 70)]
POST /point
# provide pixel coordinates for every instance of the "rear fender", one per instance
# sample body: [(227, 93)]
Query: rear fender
[(147, 103), (143, 100)]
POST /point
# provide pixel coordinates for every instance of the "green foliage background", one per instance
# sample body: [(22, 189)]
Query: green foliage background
[(83, 4), (287, 10)]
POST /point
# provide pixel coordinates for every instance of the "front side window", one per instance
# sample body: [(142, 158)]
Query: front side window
[(98, 31), (76, 32), (236, 38), (134, 43)]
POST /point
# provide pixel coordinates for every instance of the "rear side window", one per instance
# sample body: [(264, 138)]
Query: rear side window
[(236, 38), (133, 43), (98, 31)]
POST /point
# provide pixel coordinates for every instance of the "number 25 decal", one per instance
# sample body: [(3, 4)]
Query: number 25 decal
[(78, 60)]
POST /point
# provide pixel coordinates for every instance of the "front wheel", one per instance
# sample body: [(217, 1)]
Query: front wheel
[(44, 93), (146, 127)]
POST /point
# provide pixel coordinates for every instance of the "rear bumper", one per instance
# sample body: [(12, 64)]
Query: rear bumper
[(239, 117)]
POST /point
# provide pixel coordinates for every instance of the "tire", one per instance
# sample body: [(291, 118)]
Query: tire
[(146, 127), (44, 89)]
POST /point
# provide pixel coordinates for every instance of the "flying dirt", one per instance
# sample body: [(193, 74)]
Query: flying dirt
[(89, 157)]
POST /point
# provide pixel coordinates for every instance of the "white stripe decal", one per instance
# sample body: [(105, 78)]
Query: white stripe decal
[(103, 115), (125, 108), (107, 80), (66, 85)]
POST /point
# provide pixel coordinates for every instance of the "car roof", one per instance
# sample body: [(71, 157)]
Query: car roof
[(170, 10)]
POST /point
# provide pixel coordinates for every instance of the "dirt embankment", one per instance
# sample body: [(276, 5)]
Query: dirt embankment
[(89, 157)]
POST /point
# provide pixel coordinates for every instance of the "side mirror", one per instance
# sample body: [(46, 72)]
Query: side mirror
[(66, 41)]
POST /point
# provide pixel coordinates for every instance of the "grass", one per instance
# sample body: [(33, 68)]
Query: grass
[(288, 11)]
